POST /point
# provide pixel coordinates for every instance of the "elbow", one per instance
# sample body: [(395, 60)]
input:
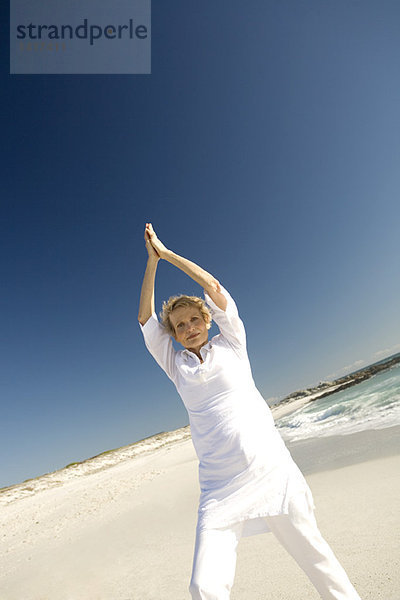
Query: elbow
[(213, 285)]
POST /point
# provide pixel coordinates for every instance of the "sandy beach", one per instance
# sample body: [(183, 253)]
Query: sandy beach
[(126, 531)]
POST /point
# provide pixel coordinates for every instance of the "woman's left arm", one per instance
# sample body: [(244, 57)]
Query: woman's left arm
[(197, 273)]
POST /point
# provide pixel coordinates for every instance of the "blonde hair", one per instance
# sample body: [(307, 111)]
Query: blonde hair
[(177, 302)]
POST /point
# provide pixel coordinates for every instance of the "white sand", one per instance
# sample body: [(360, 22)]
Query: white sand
[(126, 533), (284, 409)]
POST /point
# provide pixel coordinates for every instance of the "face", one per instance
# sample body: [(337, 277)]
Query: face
[(190, 328)]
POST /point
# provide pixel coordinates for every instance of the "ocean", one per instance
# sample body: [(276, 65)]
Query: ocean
[(372, 404)]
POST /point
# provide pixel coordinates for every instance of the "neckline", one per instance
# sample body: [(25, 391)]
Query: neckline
[(206, 348)]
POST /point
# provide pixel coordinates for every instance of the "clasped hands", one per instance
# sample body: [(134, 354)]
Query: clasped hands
[(154, 246)]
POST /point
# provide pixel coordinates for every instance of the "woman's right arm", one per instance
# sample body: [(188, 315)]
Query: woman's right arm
[(146, 305)]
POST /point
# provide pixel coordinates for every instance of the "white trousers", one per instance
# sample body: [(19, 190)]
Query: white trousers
[(214, 561)]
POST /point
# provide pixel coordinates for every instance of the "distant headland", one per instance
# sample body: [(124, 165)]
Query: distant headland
[(325, 388)]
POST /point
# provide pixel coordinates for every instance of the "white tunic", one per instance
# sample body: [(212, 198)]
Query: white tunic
[(245, 470)]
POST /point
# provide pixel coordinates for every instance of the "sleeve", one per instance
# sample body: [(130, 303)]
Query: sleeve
[(228, 321), (159, 344)]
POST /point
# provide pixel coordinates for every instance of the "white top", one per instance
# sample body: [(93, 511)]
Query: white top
[(245, 470)]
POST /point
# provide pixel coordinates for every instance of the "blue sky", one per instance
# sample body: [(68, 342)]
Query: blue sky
[(265, 146)]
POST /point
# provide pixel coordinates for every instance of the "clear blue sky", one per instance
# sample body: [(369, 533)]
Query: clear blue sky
[(265, 145)]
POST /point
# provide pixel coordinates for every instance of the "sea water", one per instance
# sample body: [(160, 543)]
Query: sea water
[(372, 404)]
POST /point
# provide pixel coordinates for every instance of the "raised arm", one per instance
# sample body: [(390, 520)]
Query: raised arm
[(146, 306), (198, 274)]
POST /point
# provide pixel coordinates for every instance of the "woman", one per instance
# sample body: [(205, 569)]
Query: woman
[(248, 480)]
